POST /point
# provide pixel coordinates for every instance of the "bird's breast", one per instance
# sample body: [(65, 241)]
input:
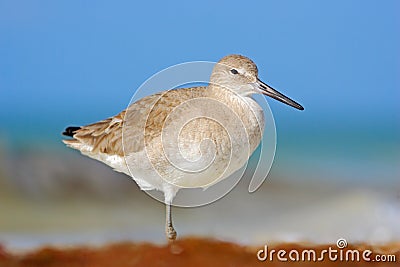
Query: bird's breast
[(206, 140), (199, 141)]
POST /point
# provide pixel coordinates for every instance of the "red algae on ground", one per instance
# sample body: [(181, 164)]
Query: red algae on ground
[(183, 252)]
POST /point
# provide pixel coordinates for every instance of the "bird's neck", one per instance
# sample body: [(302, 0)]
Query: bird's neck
[(245, 107), (225, 95)]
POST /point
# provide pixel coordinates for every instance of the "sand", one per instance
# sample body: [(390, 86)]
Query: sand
[(183, 252)]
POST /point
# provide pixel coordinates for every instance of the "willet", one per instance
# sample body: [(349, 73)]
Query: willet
[(159, 139)]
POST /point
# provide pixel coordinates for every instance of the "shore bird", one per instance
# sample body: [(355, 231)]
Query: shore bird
[(184, 138)]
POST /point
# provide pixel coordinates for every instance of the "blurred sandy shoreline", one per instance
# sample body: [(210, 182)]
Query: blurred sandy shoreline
[(195, 251), (63, 199)]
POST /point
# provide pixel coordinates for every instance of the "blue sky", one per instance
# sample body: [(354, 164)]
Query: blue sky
[(75, 62)]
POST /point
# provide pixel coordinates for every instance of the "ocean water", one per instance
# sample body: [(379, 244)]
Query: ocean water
[(323, 185)]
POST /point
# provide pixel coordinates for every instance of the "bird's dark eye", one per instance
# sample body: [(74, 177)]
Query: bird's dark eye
[(233, 71)]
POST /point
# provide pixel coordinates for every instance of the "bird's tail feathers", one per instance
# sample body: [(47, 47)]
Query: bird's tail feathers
[(70, 131)]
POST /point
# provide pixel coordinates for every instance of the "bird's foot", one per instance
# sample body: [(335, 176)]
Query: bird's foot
[(171, 233)]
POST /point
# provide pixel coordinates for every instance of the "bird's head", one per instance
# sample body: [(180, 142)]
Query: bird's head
[(240, 74)]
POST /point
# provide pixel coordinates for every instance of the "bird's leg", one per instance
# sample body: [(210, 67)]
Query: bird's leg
[(169, 228)]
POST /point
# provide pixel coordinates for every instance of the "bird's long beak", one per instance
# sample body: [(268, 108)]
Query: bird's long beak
[(271, 92)]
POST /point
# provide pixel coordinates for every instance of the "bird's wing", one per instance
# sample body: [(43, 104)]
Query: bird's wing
[(144, 117), (103, 136)]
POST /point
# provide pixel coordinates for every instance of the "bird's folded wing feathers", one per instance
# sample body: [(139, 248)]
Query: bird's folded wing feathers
[(145, 116)]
